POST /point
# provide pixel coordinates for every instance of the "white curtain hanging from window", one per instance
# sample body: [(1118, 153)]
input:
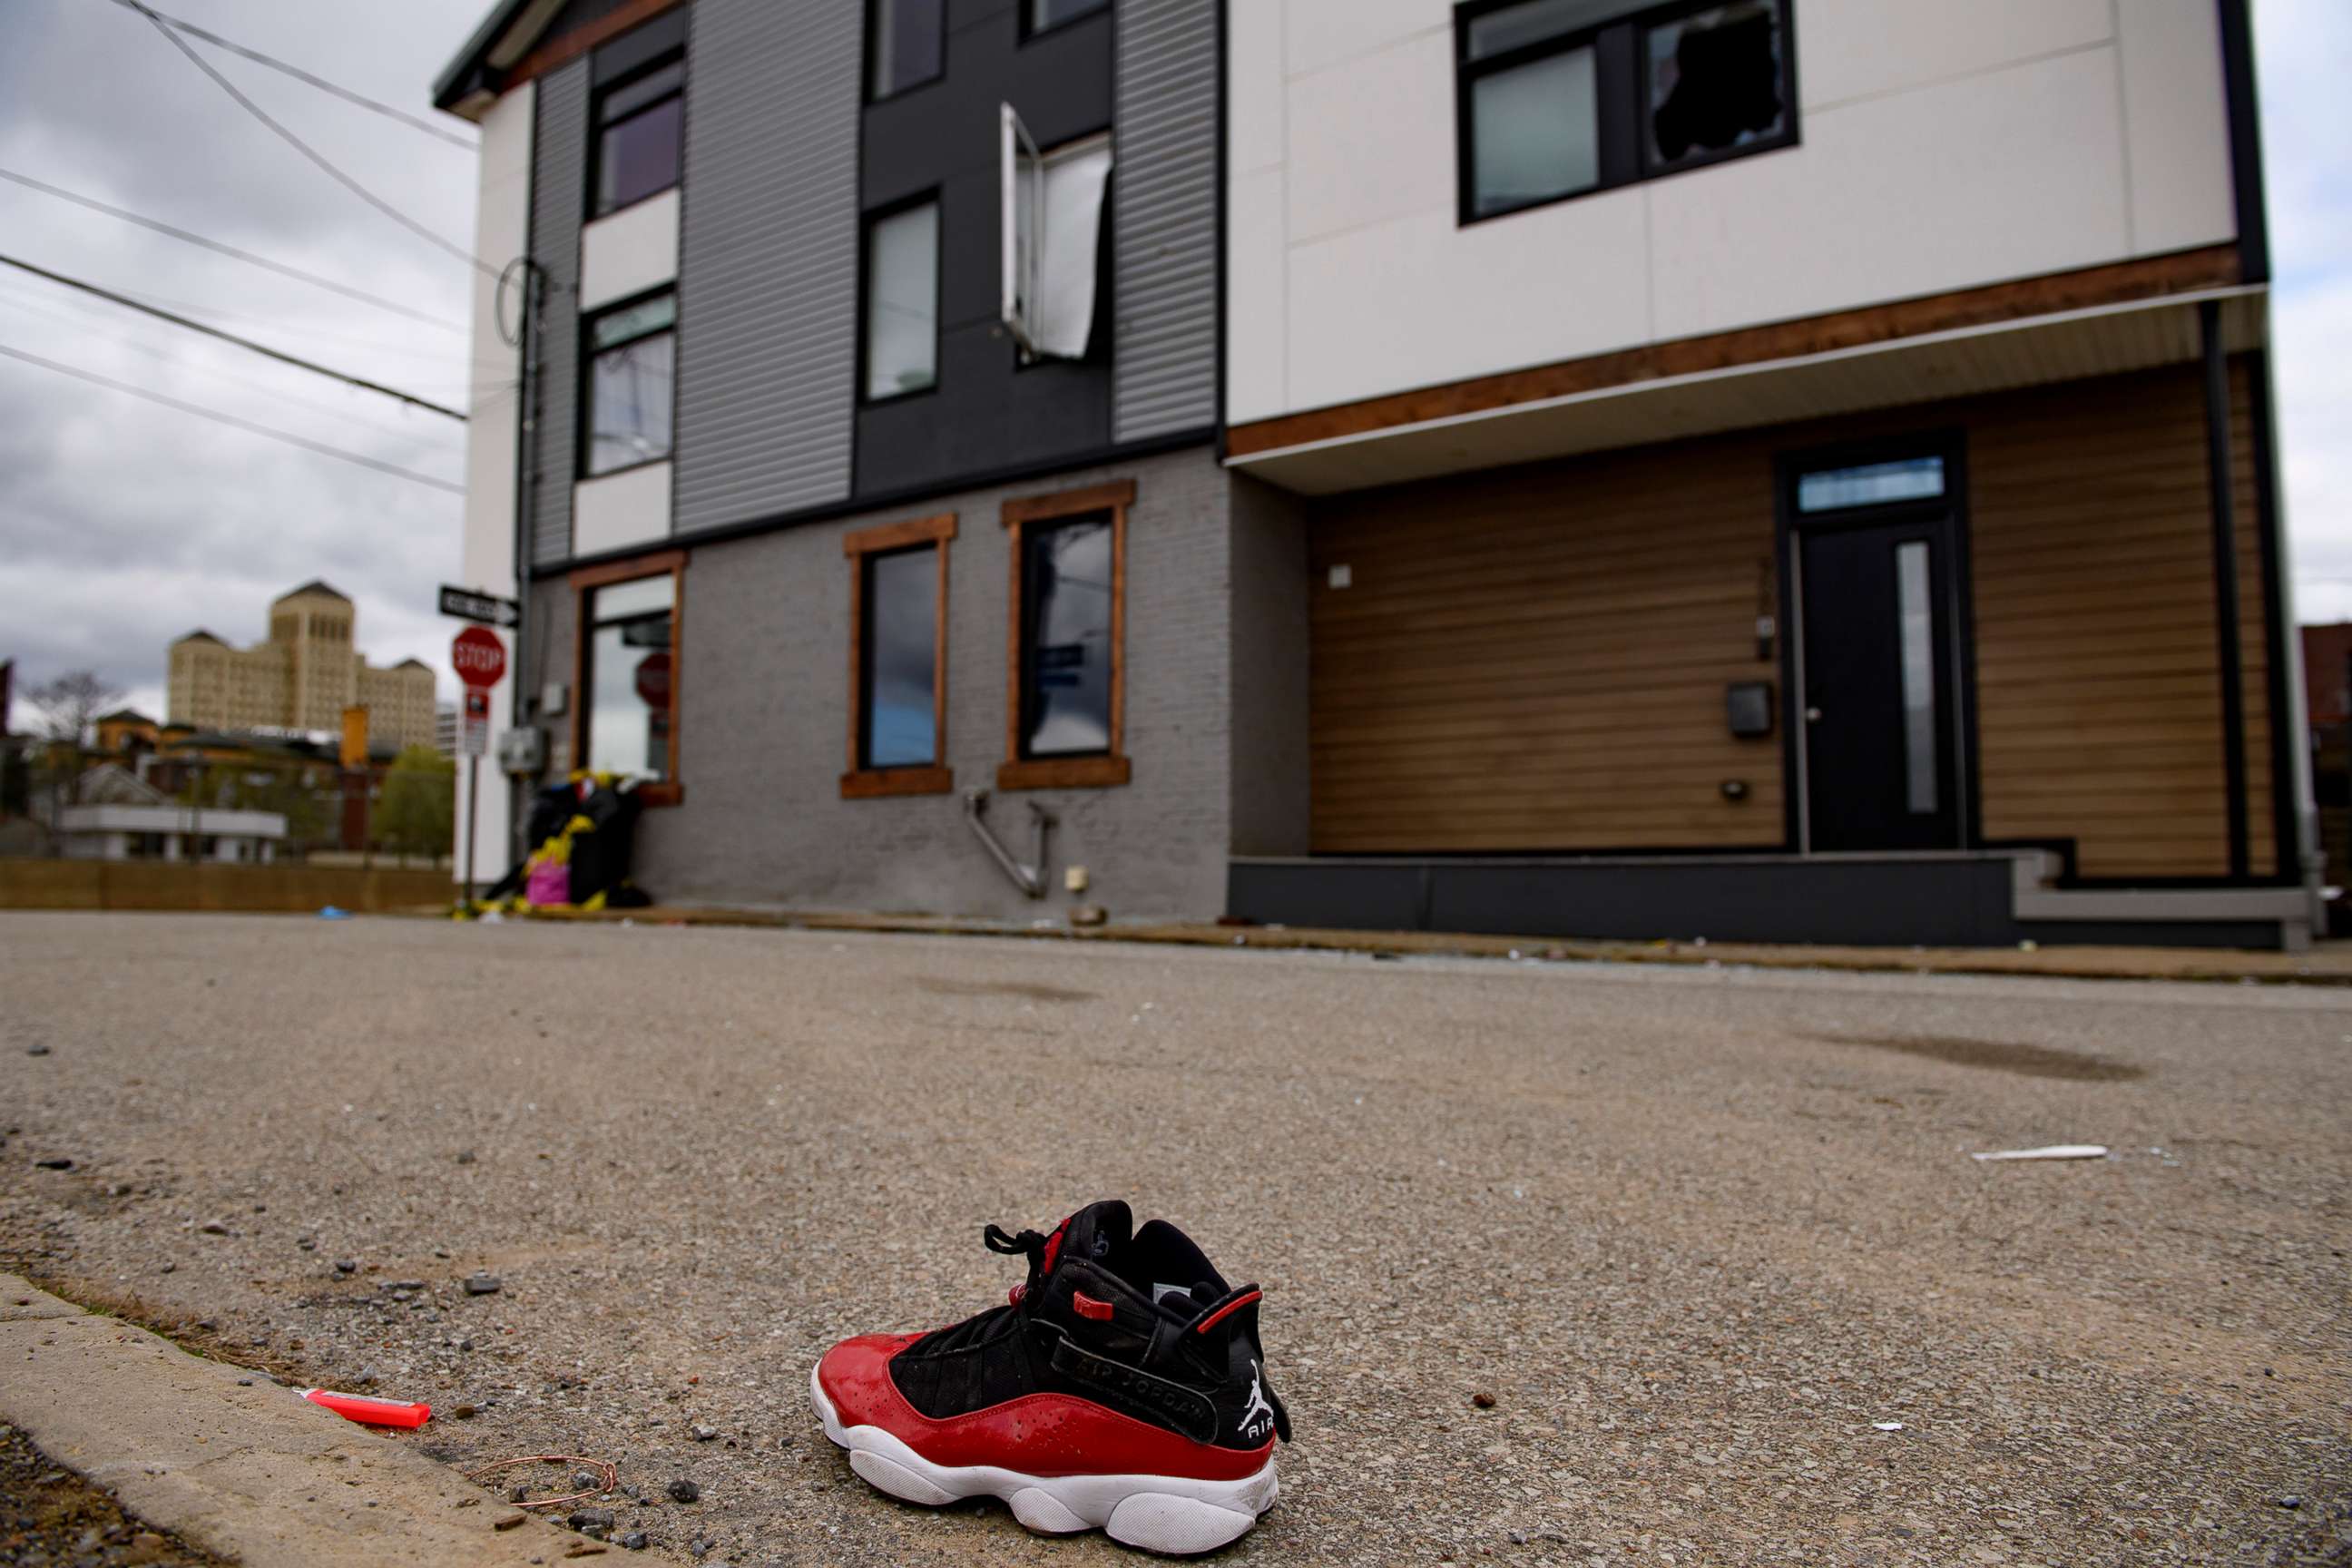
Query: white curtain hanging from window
[(1052, 214)]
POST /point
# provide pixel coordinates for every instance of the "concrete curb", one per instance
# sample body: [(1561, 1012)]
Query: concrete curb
[(253, 1474), (2331, 966)]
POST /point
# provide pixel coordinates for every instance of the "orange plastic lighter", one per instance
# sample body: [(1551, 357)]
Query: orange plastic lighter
[(371, 1412)]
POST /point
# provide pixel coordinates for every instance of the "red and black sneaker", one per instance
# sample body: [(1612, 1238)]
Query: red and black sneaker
[(1122, 1388)]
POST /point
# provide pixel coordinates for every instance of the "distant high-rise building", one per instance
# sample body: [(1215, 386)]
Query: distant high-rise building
[(301, 678), (444, 728)]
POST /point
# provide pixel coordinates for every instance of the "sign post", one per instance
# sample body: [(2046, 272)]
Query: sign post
[(481, 660)]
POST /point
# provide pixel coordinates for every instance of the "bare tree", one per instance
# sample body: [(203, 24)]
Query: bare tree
[(69, 706)]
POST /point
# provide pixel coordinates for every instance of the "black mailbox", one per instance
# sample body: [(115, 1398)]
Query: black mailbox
[(1748, 707)]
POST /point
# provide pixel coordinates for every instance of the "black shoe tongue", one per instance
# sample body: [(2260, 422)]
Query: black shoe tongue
[(1095, 1231)]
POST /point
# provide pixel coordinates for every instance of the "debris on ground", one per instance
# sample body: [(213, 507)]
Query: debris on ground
[(2050, 1151), (483, 1285), (683, 1490), (370, 1412), (329, 912), (1483, 1400), (607, 1477)]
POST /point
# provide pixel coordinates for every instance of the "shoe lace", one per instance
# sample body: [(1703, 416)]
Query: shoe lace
[(984, 1325)]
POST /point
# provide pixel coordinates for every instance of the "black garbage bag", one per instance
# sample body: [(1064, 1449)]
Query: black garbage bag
[(601, 849)]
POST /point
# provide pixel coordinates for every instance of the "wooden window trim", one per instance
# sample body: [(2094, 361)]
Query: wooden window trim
[(584, 581), (1111, 768), (859, 782)]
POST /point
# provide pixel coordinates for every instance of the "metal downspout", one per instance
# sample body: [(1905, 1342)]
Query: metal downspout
[(1030, 880)]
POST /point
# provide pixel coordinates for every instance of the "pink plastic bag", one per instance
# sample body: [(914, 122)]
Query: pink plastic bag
[(549, 883)]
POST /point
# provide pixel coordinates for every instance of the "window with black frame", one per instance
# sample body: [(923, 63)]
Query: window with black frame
[(906, 44), (632, 360), (901, 330), (1560, 97), (1045, 15), (641, 124)]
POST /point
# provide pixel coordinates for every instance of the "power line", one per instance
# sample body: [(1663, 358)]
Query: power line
[(348, 184), (84, 329), (233, 421), (263, 349), (298, 74), (280, 267)]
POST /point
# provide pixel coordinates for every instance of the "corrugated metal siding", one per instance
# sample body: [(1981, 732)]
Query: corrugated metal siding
[(1164, 219), (559, 187), (768, 261)]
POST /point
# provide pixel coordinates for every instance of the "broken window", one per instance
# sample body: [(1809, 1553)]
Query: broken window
[(1560, 97), (1713, 80), (1052, 228)]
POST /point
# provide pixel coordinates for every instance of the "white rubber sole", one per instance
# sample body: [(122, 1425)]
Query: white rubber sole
[(1167, 1514)]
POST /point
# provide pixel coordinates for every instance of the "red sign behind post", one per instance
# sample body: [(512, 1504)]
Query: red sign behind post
[(653, 680), (479, 656)]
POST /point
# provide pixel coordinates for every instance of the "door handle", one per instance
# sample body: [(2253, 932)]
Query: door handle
[(1812, 715)]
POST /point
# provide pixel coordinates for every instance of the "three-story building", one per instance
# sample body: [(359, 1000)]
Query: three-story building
[(1780, 469)]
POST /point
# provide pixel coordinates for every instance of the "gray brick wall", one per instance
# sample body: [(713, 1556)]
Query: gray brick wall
[(763, 689)]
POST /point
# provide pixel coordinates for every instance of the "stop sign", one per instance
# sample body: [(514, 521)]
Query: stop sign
[(653, 680), (479, 656)]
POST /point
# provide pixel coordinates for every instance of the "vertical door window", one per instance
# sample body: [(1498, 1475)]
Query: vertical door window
[(1915, 618)]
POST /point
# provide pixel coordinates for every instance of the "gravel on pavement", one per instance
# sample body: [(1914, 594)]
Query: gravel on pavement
[(1564, 1263)]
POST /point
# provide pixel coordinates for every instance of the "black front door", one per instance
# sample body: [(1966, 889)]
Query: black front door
[(1879, 685)]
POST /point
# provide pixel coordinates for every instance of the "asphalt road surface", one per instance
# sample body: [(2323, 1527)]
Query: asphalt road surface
[(1701, 1235)]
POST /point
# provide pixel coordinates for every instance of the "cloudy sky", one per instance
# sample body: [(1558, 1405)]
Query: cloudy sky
[(123, 524)]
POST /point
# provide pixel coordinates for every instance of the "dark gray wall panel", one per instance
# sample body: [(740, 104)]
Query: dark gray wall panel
[(987, 413), (559, 185), (1164, 206), (767, 259)]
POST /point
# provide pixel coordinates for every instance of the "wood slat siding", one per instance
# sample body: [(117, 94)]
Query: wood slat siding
[(1535, 660), (2099, 675)]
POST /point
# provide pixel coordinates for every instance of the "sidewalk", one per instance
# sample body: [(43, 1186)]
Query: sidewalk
[(232, 1462), (2328, 963)]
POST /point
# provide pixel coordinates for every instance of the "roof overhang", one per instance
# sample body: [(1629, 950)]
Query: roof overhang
[(468, 85), (2102, 340)]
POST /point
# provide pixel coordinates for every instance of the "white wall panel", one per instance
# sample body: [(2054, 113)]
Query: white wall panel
[(1417, 300), (1852, 48), (1375, 139), (501, 232), (1945, 145), (2177, 121), (620, 511), (1971, 182), (1254, 297), (1254, 86), (629, 252), (1325, 32)]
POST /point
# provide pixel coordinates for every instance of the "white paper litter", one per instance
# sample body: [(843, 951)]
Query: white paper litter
[(1888, 1426), (2053, 1152)]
